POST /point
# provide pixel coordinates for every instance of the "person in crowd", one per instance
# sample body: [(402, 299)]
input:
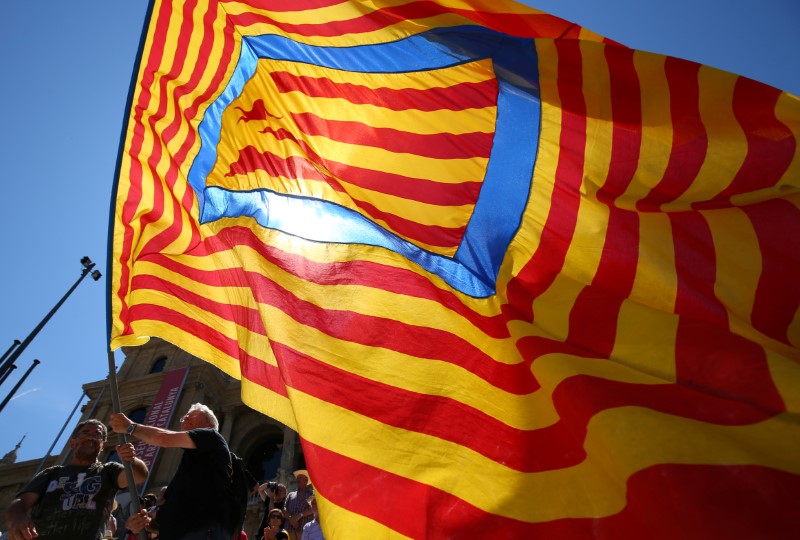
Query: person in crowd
[(313, 530), (274, 529), (274, 497), (297, 510), (73, 501), (136, 523), (197, 501), (147, 503)]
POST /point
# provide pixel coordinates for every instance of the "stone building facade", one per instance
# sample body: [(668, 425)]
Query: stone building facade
[(270, 450)]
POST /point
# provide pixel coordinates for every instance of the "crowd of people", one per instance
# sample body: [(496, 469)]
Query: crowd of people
[(75, 501)]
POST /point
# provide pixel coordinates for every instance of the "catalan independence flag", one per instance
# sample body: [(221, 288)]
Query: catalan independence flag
[(505, 277)]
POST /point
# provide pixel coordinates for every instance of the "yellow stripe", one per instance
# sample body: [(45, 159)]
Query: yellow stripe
[(727, 145), (787, 110), (553, 307), (656, 282), (619, 442), (656, 128), (390, 367), (476, 71), (345, 12), (445, 171), (414, 121), (187, 342), (738, 260), (597, 151), (252, 343), (526, 241), (785, 372), (586, 246), (269, 403), (645, 340), (338, 522)]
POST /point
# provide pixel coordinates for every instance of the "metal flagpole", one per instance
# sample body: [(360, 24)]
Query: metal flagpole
[(16, 386), (47, 454), (5, 375), (123, 439)]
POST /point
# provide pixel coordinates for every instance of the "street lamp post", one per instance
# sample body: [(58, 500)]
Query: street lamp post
[(16, 386), (88, 267)]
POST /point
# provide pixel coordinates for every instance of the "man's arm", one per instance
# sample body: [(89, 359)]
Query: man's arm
[(126, 453), (19, 524), (163, 438)]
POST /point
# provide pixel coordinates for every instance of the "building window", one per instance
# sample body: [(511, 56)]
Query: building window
[(137, 415), (158, 365)]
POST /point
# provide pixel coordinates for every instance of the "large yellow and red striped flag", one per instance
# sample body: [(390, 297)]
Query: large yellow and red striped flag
[(505, 277)]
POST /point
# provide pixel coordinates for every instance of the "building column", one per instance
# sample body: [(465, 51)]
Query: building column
[(287, 456), (227, 423)]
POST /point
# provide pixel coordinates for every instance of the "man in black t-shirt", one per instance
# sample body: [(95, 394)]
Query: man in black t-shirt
[(73, 502), (197, 500)]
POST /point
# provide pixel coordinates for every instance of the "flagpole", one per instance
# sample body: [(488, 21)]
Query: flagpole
[(47, 454), (5, 375), (123, 439)]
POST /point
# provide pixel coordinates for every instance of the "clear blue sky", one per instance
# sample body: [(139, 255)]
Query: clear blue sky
[(66, 68)]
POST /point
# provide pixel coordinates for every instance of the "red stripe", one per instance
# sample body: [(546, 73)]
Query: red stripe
[(771, 144), (576, 399), (777, 227), (134, 196), (720, 363), (253, 369), (539, 25), (689, 137), (359, 272), (175, 229), (664, 502), (548, 260), (435, 145), (433, 235), (458, 97), (416, 189), (248, 318), (281, 6), (708, 355), (154, 158), (696, 269), (293, 167), (626, 114), (419, 342), (251, 159), (593, 318)]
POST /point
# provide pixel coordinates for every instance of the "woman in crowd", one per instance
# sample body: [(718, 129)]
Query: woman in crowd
[(274, 529), (274, 497)]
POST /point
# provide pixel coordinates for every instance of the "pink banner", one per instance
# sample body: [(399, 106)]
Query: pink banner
[(160, 413)]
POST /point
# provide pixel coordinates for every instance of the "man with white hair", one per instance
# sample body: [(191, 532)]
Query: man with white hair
[(197, 500)]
